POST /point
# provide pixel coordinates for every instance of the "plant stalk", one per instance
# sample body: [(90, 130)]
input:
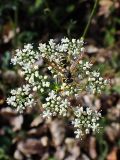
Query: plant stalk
[(90, 18)]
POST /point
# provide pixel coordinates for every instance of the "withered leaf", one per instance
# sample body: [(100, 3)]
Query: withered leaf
[(36, 121), (30, 147), (58, 131), (113, 154)]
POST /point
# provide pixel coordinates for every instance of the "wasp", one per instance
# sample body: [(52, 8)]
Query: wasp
[(65, 63), (69, 69), (65, 67), (67, 77)]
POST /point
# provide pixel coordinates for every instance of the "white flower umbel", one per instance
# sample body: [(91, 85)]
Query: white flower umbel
[(96, 83), (55, 105), (66, 74), (25, 57), (85, 120), (21, 98), (38, 82)]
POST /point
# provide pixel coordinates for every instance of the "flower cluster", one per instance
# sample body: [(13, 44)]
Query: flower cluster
[(66, 74), (85, 120), (54, 105), (21, 98), (54, 51), (96, 83), (68, 90), (38, 82), (25, 57)]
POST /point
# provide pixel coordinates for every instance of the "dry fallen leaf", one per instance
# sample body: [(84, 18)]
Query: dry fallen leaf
[(10, 77), (105, 6), (72, 147), (107, 101), (113, 131), (58, 131), (113, 114), (84, 157), (16, 122), (31, 147), (39, 131), (88, 100), (97, 104), (38, 120), (2, 96), (60, 153), (8, 32), (18, 155), (44, 141), (45, 156), (91, 49), (2, 132), (7, 112), (113, 154), (92, 148), (70, 157)]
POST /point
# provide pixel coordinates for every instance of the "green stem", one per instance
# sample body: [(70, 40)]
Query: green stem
[(90, 18)]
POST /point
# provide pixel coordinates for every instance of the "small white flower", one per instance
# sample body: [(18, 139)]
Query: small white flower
[(65, 40), (82, 49), (13, 91), (78, 133), (96, 74), (41, 90), (100, 79), (87, 72), (87, 131), (36, 74), (11, 100), (52, 95), (47, 84), (35, 88), (28, 47), (45, 77), (14, 60), (46, 114)]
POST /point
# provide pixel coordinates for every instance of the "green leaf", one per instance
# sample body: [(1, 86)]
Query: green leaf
[(6, 59), (116, 89), (110, 37), (103, 149), (38, 3), (36, 6), (70, 8), (52, 158), (26, 36), (71, 26), (3, 155)]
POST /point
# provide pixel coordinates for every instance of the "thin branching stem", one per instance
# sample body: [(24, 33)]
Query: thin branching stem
[(90, 18)]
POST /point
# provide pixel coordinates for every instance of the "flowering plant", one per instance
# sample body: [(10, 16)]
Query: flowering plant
[(67, 75)]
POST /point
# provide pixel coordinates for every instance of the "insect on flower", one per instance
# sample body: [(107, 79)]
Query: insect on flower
[(65, 67)]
